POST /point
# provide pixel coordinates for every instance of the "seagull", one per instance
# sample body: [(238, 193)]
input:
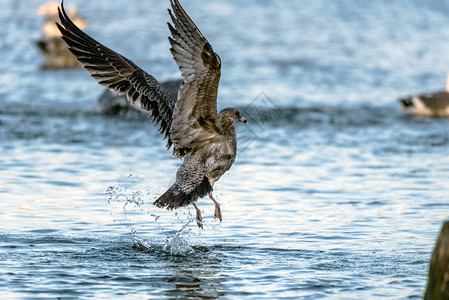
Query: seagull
[(202, 137), (53, 49), (428, 105)]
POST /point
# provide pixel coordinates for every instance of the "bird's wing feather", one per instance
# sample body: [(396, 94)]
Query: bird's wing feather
[(118, 73), (195, 114)]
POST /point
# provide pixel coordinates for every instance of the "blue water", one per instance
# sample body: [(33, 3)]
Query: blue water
[(334, 193)]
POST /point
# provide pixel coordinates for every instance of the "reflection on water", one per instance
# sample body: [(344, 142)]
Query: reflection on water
[(334, 193)]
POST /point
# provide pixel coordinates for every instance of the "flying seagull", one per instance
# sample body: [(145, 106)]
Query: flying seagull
[(204, 138)]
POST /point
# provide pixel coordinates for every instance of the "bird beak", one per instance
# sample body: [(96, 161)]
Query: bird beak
[(243, 120)]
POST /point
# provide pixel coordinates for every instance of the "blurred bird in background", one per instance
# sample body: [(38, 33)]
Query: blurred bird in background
[(53, 49)]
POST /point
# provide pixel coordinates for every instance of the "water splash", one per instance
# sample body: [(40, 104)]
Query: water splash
[(177, 245), (127, 198), (174, 245), (122, 191), (140, 243)]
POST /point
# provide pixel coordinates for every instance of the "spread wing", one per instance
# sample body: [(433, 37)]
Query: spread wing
[(120, 74), (195, 115)]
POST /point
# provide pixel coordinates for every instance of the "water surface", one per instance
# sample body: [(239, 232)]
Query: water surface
[(334, 194)]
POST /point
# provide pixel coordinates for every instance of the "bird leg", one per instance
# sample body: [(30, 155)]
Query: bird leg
[(217, 213), (199, 220)]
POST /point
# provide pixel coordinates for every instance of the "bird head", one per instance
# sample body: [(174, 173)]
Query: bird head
[(240, 118), (232, 114)]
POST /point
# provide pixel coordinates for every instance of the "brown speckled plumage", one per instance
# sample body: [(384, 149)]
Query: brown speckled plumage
[(205, 139)]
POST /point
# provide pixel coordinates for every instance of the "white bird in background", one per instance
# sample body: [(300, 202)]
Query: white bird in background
[(204, 138)]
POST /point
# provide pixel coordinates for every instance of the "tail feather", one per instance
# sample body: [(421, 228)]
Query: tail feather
[(174, 197)]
